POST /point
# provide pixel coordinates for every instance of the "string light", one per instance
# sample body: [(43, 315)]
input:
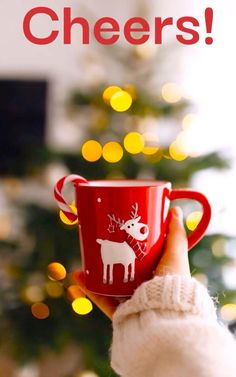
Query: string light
[(91, 150), (40, 310), (171, 92), (109, 92), (228, 312), (82, 306), (176, 153), (134, 142), (54, 289), (56, 271), (121, 101), (112, 152), (65, 219), (74, 292), (193, 219)]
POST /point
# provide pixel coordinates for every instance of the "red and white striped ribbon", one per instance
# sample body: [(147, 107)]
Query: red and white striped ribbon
[(62, 204)]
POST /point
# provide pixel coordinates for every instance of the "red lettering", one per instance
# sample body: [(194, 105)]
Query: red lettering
[(195, 35), (68, 23), (27, 30), (159, 26), (99, 28), (129, 29)]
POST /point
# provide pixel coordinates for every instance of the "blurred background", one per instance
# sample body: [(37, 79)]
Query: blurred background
[(56, 117)]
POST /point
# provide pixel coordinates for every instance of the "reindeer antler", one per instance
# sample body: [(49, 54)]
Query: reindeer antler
[(116, 221), (134, 213)]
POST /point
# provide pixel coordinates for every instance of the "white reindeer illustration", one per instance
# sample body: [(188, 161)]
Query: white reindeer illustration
[(125, 252)]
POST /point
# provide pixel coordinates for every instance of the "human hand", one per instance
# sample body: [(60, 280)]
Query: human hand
[(173, 261)]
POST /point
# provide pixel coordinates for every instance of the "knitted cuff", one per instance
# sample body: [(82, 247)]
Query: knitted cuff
[(172, 293)]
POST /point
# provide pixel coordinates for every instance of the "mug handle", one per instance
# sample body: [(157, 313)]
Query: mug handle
[(199, 232), (61, 202)]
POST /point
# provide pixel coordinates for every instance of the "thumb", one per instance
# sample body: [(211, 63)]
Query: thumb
[(175, 256)]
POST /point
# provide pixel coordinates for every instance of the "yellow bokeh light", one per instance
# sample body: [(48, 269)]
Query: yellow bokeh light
[(82, 306), (54, 289), (134, 142), (121, 101), (171, 92), (56, 271), (188, 121), (131, 89), (150, 143), (228, 312), (40, 310), (112, 152), (193, 219), (109, 92), (65, 219), (156, 157), (91, 150), (176, 152), (74, 292), (150, 150), (87, 373), (32, 293)]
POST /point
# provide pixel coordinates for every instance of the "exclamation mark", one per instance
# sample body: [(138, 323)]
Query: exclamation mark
[(209, 22)]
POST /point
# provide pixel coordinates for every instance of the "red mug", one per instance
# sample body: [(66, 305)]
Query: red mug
[(122, 226)]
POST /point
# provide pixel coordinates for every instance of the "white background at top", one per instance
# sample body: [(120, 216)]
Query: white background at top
[(207, 74)]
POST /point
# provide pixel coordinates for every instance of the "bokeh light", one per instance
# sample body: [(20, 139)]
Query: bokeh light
[(32, 294), (228, 312), (193, 219), (65, 219), (86, 373), (156, 157), (146, 51), (131, 89), (54, 289), (134, 142), (171, 92), (188, 121), (202, 278), (218, 247), (56, 271), (5, 227), (121, 101), (91, 150), (40, 310), (82, 305), (150, 143), (112, 152), (176, 153), (109, 92), (74, 292)]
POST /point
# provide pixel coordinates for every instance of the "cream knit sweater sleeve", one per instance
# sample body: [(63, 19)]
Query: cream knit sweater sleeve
[(169, 329)]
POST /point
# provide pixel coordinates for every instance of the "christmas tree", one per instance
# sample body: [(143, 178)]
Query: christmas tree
[(132, 125)]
